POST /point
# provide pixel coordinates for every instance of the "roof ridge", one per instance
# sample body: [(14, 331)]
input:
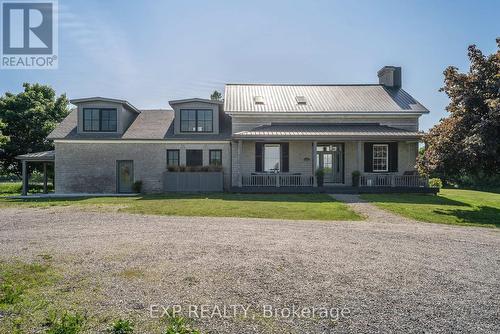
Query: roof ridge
[(299, 84)]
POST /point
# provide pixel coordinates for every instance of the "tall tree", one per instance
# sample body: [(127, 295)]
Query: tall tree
[(29, 117), (216, 96), (467, 142)]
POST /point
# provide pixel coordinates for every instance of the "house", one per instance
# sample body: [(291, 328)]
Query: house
[(262, 137)]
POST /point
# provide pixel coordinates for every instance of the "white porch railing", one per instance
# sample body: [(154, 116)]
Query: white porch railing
[(391, 180), (277, 180)]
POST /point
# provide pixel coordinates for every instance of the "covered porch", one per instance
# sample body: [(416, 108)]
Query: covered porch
[(45, 158), (289, 156)]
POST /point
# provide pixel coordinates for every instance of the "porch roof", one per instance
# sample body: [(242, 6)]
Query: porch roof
[(323, 131), (46, 156)]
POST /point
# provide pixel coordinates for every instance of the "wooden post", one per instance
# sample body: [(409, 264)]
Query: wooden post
[(25, 179), (45, 178), (240, 148), (313, 158)]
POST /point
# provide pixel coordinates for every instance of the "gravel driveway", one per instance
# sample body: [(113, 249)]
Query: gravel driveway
[(386, 276)]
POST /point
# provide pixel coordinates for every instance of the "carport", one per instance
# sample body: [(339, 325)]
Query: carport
[(47, 157)]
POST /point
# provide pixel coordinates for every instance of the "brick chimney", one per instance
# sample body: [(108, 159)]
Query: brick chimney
[(390, 76)]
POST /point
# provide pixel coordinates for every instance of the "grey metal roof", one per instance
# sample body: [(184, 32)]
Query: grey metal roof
[(317, 131), (105, 99), (239, 98), (156, 124), (38, 156), (173, 102)]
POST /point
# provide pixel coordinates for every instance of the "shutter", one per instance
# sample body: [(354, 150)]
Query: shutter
[(393, 157), (285, 164), (258, 157), (368, 157)]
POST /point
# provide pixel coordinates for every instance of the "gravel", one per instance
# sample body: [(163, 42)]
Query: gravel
[(386, 276)]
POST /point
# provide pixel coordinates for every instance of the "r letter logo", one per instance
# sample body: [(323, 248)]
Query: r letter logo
[(29, 35)]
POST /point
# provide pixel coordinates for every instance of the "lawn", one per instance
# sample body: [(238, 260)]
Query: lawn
[(281, 206), (451, 206)]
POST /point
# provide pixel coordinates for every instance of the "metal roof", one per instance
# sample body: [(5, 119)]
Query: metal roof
[(173, 102), (38, 156), (239, 98), (313, 131), (105, 99)]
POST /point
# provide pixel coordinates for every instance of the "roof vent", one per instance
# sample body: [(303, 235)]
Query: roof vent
[(301, 100), (258, 99), (390, 76)]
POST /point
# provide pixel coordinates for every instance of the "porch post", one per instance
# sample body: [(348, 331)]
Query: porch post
[(45, 178), (313, 158), (359, 157), (25, 179), (240, 147)]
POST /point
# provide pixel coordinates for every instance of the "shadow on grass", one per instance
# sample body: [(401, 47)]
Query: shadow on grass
[(481, 215), (309, 198), (413, 199)]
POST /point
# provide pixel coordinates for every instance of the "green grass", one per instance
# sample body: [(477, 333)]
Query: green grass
[(451, 206), (14, 188), (281, 206)]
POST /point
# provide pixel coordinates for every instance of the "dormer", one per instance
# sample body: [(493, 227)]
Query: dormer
[(197, 116), (104, 115)]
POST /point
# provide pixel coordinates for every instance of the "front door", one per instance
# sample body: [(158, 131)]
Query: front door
[(329, 157), (125, 175)]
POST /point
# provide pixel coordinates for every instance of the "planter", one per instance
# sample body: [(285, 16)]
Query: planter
[(355, 180), (193, 181)]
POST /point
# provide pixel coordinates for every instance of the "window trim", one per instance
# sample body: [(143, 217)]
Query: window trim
[(196, 120), (178, 157), (210, 156), (264, 158), (386, 158), (100, 119)]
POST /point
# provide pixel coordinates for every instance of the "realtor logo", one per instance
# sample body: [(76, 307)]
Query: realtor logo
[(29, 35)]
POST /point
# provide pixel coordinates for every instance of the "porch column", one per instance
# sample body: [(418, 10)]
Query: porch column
[(313, 158), (359, 157), (240, 147), (25, 179), (45, 178)]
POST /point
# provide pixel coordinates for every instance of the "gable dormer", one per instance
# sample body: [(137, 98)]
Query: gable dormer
[(104, 115), (197, 116)]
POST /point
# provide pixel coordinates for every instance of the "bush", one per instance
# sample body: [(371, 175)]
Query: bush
[(137, 186), (320, 176), (435, 183), (205, 169), (355, 178), (121, 327), (67, 323), (178, 325)]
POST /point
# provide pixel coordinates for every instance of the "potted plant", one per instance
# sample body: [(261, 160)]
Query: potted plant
[(320, 176), (355, 178)]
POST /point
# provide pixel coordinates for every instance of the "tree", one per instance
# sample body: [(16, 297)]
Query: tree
[(3, 139), (29, 117), (467, 142), (216, 96)]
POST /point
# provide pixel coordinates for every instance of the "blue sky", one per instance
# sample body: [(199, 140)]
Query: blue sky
[(149, 52)]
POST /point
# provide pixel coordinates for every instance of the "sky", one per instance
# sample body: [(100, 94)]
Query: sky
[(149, 52)]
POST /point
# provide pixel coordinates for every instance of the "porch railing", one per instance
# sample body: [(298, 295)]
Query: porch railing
[(391, 180), (277, 180)]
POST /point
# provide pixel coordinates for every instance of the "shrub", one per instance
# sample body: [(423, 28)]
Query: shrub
[(355, 178), (320, 176), (205, 169), (137, 186), (178, 325), (435, 183), (121, 326), (67, 323)]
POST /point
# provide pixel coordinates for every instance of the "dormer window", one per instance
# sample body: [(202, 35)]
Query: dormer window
[(258, 100), (301, 100), (196, 120), (99, 120)]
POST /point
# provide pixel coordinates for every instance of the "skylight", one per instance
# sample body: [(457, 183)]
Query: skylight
[(301, 100), (258, 99)]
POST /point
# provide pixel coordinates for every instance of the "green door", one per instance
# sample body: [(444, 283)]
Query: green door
[(125, 175)]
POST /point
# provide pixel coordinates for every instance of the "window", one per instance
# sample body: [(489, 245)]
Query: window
[(194, 157), (172, 157), (215, 157), (380, 157), (95, 120), (272, 154), (196, 120)]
